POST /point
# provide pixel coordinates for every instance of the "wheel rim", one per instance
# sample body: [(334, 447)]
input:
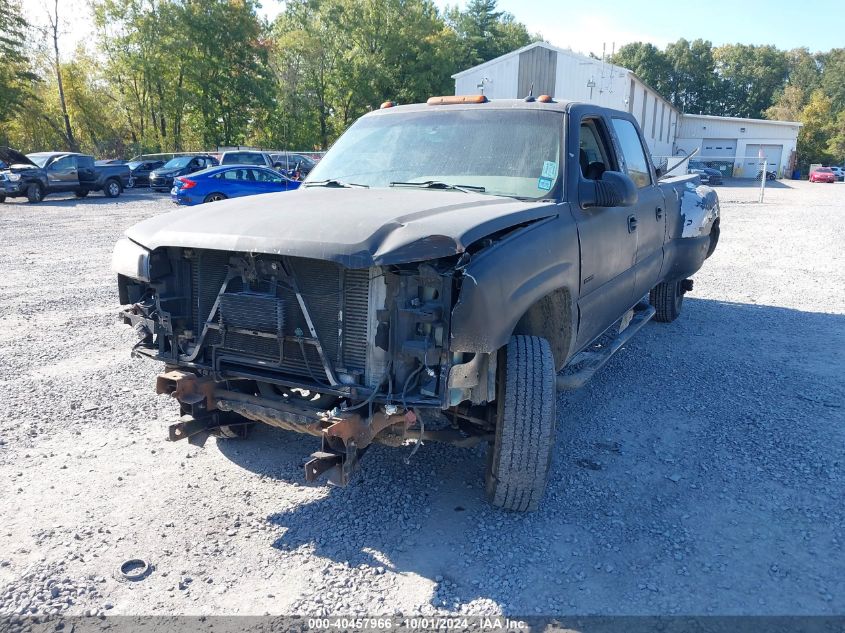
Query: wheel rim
[(114, 189), (37, 194), (215, 198)]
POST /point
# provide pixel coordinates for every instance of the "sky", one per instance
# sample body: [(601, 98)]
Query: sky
[(784, 23)]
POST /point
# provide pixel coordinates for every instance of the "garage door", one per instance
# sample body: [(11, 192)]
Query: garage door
[(719, 153), (755, 155), (718, 148)]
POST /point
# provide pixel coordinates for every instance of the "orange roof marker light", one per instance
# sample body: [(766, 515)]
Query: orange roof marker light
[(387, 104), (545, 99), (456, 100)]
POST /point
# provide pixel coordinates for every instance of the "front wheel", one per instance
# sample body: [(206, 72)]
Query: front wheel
[(34, 193), (518, 462), (81, 193), (667, 298), (112, 188)]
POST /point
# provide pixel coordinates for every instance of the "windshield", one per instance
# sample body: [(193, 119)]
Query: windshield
[(134, 165), (177, 163), (507, 152), (39, 159)]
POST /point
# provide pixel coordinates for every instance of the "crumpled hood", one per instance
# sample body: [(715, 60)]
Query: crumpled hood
[(354, 227), (15, 158)]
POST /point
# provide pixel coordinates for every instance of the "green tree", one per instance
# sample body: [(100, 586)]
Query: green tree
[(486, 33), (836, 144), (648, 62), (692, 80), (16, 76), (832, 80), (749, 77), (789, 105), (817, 130)]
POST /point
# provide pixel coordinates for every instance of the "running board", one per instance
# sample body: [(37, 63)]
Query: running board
[(592, 361)]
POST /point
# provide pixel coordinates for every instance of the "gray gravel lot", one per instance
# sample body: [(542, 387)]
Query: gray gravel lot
[(700, 472)]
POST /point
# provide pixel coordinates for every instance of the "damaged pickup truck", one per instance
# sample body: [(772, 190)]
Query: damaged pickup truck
[(442, 273)]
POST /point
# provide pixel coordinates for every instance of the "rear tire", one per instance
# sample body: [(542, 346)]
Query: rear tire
[(519, 459), (214, 197), (2, 198), (34, 193), (667, 298), (112, 188), (81, 193)]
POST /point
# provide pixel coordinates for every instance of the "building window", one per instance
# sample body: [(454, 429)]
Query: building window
[(645, 104), (662, 119), (631, 98), (654, 118)]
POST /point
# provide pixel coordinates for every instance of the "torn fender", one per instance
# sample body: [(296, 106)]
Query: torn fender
[(503, 281)]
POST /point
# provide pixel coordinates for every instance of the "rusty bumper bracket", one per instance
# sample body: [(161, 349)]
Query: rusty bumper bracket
[(189, 428), (346, 439)]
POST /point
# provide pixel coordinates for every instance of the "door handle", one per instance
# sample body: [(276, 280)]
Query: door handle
[(632, 223), (658, 213)]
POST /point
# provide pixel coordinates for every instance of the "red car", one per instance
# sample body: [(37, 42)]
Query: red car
[(822, 174)]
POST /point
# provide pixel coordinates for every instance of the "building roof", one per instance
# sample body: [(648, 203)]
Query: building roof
[(546, 45), (714, 117)]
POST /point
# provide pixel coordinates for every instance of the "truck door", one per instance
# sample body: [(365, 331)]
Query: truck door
[(650, 210), (608, 246), (62, 174), (86, 172)]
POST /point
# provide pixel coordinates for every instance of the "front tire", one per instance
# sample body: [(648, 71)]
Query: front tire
[(111, 188), (667, 298), (34, 193), (81, 193), (519, 460)]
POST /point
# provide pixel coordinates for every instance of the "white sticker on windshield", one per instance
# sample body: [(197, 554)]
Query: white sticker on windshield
[(549, 169), (544, 183)]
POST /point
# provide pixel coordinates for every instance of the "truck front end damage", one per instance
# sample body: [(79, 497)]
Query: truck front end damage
[(353, 356)]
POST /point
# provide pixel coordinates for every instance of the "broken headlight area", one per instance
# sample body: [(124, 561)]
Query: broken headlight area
[(305, 345)]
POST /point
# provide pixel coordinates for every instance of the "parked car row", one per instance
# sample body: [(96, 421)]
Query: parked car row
[(36, 175), (227, 181)]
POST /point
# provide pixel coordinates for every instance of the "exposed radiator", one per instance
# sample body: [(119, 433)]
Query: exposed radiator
[(337, 300)]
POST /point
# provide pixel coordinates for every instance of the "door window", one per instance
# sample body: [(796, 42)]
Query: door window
[(593, 158), (633, 155), (262, 175), (63, 164), (232, 174)]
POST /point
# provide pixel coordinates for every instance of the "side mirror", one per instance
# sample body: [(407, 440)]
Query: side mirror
[(615, 189)]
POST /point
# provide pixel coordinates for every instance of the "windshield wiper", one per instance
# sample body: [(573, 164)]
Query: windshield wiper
[(436, 184), (334, 183)]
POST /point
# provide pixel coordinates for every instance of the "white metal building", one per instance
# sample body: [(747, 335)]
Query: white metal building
[(564, 74), (744, 145)]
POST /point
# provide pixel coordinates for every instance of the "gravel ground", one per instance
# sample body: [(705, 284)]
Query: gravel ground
[(700, 472)]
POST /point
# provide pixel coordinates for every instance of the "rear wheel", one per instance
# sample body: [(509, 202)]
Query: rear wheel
[(214, 197), (2, 198), (35, 192), (519, 460), (667, 298), (81, 193), (112, 188)]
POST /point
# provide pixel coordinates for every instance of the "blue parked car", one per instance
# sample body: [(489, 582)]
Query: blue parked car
[(228, 181)]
